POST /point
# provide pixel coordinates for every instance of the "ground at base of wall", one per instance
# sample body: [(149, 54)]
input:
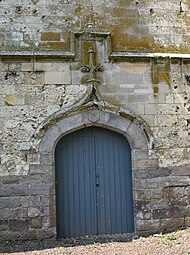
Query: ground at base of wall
[(177, 243)]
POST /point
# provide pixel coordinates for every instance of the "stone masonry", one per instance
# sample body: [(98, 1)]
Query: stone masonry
[(140, 70)]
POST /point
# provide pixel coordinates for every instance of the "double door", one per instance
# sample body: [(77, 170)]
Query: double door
[(93, 184)]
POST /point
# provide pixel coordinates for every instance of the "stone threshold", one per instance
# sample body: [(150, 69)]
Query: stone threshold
[(99, 238)]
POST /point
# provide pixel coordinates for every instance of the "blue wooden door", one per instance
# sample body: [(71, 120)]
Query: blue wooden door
[(93, 184)]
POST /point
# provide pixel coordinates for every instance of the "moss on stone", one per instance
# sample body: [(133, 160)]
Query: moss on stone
[(50, 36)]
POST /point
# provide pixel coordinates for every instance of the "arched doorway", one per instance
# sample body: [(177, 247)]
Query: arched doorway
[(93, 183)]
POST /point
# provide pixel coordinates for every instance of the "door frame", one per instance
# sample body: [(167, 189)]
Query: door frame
[(134, 130), (119, 148)]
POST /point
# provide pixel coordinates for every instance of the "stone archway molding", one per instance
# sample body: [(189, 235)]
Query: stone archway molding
[(91, 110)]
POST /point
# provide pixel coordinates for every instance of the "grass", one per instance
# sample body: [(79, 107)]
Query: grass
[(164, 243), (169, 239), (11, 242), (40, 239), (4, 243)]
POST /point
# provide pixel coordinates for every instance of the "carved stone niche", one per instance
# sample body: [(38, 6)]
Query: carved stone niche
[(100, 42)]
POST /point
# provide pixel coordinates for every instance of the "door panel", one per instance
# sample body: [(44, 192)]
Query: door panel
[(113, 168), (93, 184), (75, 189)]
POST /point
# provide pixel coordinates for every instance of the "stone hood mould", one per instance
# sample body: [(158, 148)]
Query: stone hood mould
[(93, 100)]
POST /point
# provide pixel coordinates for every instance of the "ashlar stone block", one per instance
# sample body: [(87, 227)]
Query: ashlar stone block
[(70, 123), (65, 78), (49, 139), (33, 212), (120, 124), (57, 78), (151, 109), (53, 77), (18, 225), (27, 67), (14, 99), (36, 222)]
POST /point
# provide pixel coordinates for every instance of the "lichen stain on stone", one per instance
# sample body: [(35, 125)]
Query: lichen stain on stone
[(128, 32), (84, 79), (128, 22), (78, 10), (50, 36), (161, 72), (124, 3), (85, 47), (155, 89), (127, 42), (53, 46), (110, 99), (35, 1)]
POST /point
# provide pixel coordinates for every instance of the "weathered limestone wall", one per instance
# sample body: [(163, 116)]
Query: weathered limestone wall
[(159, 93), (156, 90), (136, 25), (51, 74)]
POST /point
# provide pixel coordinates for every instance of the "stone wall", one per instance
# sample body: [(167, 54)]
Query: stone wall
[(155, 90), (49, 72), (135, 24)]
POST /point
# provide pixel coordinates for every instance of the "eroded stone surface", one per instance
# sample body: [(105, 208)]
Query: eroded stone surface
[(161, 179), (135, 25), (34, 89)]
